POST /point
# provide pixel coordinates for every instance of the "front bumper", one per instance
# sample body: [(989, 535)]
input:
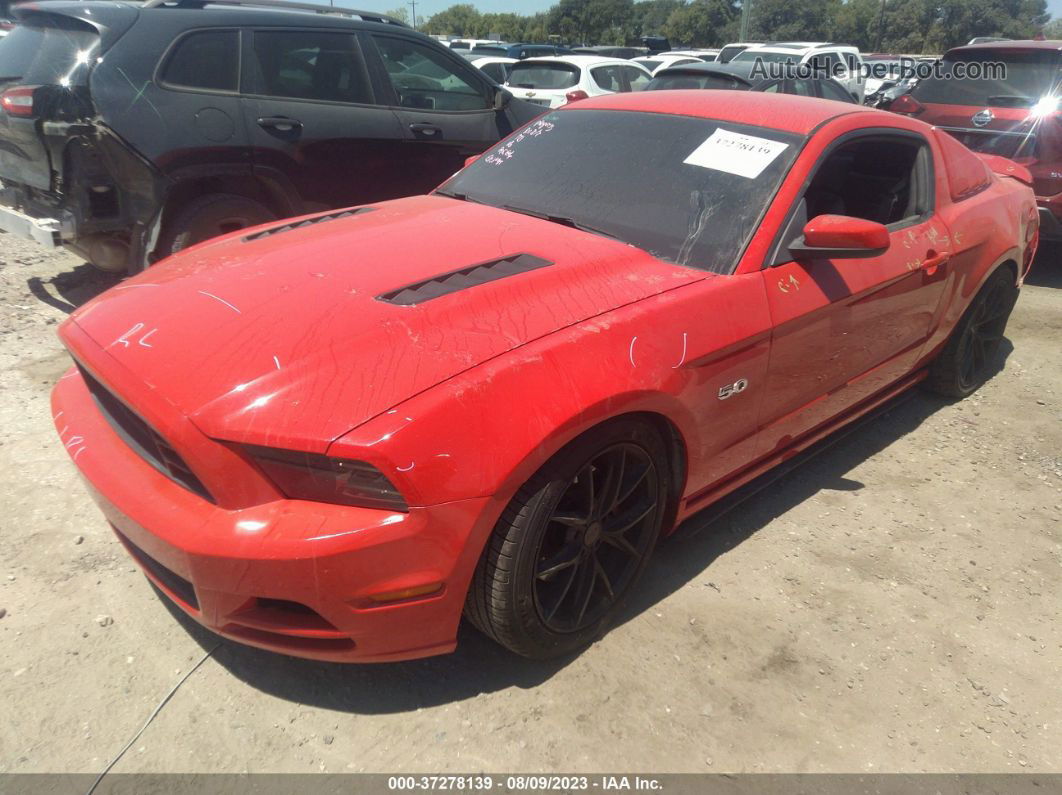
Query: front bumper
[(289, 576)]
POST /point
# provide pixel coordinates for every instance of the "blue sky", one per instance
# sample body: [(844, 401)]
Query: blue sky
[(429, 7)]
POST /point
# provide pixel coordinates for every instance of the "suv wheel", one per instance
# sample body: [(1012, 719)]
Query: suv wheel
[(211, 216)]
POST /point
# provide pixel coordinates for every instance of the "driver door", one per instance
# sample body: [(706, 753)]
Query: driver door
[(845, 329), (445, 107)]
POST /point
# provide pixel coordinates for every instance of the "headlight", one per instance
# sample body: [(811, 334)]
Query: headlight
[(312, 476)]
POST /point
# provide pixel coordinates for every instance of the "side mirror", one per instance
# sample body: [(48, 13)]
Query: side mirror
[(840, 237), (502, 98), (470, 160)]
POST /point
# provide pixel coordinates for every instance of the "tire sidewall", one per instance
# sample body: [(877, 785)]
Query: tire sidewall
[(186, 229), (556, 476)]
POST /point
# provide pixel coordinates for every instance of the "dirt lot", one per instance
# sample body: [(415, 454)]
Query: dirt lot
[(891, 606)]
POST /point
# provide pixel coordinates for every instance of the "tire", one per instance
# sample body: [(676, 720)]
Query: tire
[(210, 216), (559, 563), (968, 356)]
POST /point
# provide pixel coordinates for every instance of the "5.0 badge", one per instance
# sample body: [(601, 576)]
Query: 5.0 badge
[(732, 389)]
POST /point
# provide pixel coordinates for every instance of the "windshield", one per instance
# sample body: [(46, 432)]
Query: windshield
[(48, 50), (544, 75), (729, 52), (767, 57), (687, 190), (679, 80), (1025, 78)]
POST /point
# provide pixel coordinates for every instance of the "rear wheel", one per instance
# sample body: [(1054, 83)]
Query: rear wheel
[(970, 353), (573, 541), (210, 216)]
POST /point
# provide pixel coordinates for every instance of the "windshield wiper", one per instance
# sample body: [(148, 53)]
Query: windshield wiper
[(563, 220), (463, 197)]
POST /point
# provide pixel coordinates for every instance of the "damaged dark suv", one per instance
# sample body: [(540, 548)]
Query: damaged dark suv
[(131, 130)]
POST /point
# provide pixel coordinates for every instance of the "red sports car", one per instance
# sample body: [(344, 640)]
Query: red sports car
[(332, 437)]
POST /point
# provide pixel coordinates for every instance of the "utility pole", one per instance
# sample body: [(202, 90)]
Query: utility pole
[(746, 12), (881, 27), (413, 3)]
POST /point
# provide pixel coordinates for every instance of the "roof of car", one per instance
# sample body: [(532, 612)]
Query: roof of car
[(581, 60), (266, 12), (1026, 44), (798, 47), (785, 112), (742, 70)]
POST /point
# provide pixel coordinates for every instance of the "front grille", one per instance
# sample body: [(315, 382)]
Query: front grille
[(142, 438), (170, 580)]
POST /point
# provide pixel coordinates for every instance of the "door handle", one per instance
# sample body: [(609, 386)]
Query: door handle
[(426, 129), (933, 261), (280, 123)]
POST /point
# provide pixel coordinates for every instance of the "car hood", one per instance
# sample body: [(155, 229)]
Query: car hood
[(284, 339)]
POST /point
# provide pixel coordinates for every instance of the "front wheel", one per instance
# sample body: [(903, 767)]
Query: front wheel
[(969, 355), (573, 541)]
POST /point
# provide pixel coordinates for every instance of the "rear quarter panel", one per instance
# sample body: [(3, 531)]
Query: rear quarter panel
[(988, 230)]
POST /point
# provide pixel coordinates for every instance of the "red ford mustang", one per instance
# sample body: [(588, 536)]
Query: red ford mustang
[(332, 437)]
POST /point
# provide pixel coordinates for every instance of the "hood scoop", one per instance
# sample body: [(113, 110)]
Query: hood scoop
[(275, 230), (455, 281)]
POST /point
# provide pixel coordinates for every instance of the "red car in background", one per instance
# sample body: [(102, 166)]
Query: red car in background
[(332, 437), (1014, 112)]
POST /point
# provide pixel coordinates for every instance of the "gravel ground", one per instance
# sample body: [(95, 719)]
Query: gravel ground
[(890, 606)]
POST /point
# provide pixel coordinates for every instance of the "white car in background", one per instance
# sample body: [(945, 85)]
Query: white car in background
[(708, 56), (494, 67), (555, 81), (842, 62), (662, 60), (471, 44)]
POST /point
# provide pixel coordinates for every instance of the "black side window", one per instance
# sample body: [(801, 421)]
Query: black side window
[(833, 90), (208, 60), (425, 78), (884, 180), (887, 179), (313, 65)]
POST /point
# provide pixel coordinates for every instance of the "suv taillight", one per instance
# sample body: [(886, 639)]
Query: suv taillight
[(575, 96), (906, 104), (18, 101)]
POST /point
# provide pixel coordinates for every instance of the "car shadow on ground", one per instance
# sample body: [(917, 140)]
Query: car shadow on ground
[(68, 290), (1047, 267), (480, 666)]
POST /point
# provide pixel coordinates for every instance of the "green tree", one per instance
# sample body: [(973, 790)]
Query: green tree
[(793, 20), (457, 20), (702, 23), (592, 21)]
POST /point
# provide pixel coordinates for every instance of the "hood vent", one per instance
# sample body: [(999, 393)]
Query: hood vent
[(472, 276), (274, 230)]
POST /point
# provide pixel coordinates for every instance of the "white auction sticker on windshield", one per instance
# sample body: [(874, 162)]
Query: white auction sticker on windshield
[(734, 153)]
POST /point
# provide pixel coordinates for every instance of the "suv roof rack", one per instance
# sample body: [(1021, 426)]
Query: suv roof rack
[(366, 16)]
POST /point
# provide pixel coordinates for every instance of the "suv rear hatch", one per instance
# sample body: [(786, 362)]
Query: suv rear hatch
[(44, 67), (1010, 110), (543, 83)]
